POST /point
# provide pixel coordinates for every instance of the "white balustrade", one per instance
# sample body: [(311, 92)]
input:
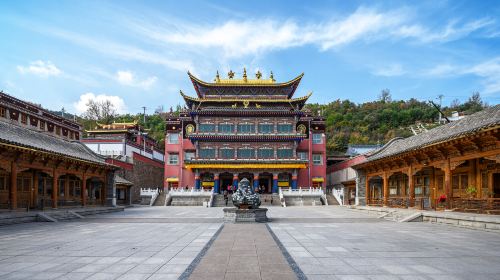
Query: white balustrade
[(191, 192), (149, 191), (301, 192)]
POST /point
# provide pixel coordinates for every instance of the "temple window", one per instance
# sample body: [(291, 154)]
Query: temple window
[(58, 130), (173, 138), (24, 119), (207, 153), (42, 125), (285, 128), (188, 155), (459, 184), (226, 153), (173, 159), (285, 153), (317, 139), (246, 153), (226, 128), (317, 159), (23, 183), (61, 187), (3, 112), (266, 128), (206, 127), (246, 128), (3, 182), (303, 155), (265, 153)]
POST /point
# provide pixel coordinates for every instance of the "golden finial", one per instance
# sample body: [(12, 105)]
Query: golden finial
[(230, 74), (217, 77), (244, 74), (272, 77), (258, 75)]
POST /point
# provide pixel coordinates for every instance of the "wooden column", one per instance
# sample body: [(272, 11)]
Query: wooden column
[(447, 183), (55, 189), (411, 187), (104, 190), (367, 191), (66, 187), (34, 190), (13, 185), (386, 189), (83, 191), (433, 187), (479, 185)]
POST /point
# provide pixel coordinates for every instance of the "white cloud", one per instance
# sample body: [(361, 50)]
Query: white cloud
[(390, 71), (128, 78), (488, 70), (451, 32), (81, 104), (40, 68), (442, 70)]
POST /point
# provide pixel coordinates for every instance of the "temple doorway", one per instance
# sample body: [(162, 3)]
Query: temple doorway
[(266, 182), (226, 179)]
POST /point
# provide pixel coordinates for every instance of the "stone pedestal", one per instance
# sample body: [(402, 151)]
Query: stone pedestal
[(234, 215)]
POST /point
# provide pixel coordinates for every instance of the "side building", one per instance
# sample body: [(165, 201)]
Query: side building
[(128, 146), (456, 166), (245, 128), (43, 163)]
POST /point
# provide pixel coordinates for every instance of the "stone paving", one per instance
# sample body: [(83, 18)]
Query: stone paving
[(243, 251), (326, 243), (84, 250)]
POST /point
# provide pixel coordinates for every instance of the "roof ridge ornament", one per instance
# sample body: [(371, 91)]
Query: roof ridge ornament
[(244, 74), (258, 75), (271, 77), (230, 74), (217, 77)]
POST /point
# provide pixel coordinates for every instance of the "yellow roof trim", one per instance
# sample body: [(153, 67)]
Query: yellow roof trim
[(245, 82), (245, 165), (172, 179), (246, 99)]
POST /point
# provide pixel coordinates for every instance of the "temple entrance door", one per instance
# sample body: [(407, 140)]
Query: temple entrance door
[(496, 185), (264, 182), (226, 179)]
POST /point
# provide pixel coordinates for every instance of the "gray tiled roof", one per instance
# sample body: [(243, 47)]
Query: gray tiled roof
[(119, 180), (485, 119), (25, 137)]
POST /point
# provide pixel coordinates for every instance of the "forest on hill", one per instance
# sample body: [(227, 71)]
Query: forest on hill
[(374, 122), (379, 121)]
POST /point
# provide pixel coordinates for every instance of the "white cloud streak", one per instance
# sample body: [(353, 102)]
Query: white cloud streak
[(390, 71), (128, 78), (488, 70), (81, 105), (40, 68)]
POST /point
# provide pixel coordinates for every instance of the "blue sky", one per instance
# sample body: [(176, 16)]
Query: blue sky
[(137, 53)]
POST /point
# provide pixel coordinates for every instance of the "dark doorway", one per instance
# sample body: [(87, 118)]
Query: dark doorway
[(496, 185), (225, 181)]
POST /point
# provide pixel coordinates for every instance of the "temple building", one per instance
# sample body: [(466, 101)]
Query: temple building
[(250, 128), (44, 164), (455, 166), (128, 146)]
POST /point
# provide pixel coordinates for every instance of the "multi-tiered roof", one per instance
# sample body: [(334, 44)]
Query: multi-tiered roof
[(245, 96)]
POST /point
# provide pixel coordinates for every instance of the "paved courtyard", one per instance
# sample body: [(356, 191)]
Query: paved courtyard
[(325, 243)]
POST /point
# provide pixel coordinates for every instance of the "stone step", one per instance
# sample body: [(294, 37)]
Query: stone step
[(160, 200)]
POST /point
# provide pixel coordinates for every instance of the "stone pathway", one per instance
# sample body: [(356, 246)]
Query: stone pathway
[(243, 251)]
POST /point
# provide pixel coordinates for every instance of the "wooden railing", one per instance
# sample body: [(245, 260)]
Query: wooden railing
[(476, 205)]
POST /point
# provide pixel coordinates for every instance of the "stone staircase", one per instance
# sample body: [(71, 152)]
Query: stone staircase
[(331, 200), (15, 217), (265, 200), (220, 202), (160, 200)]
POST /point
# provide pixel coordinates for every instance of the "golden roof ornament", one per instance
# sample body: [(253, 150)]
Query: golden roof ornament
[(217, 77), (244, 74), (230, 74), (258, 75), (271, 77)]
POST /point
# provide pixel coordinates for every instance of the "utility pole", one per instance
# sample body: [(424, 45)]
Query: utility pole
[(143, 133), (440, 97)]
